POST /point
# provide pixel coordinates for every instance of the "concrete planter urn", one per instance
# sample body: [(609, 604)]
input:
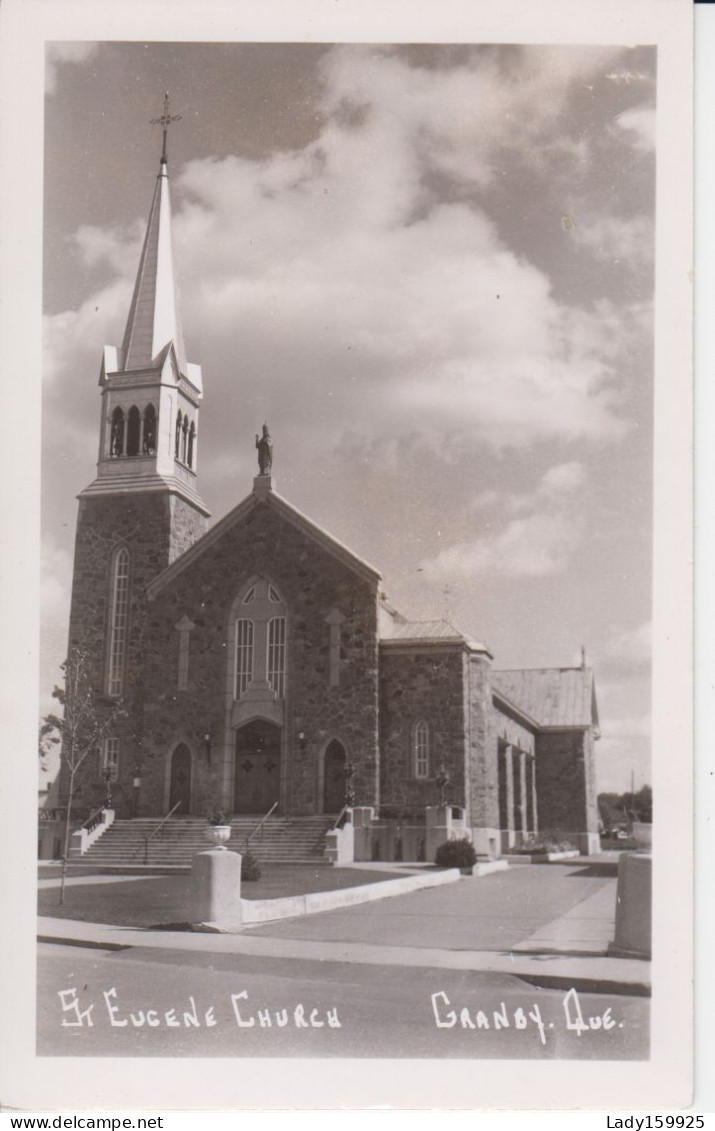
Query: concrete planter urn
[(217, 835)]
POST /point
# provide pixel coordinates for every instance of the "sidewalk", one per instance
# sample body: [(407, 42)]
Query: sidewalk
[(496, 924)]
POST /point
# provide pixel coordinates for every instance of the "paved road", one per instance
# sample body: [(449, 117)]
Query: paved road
[(382, 1011), (495, 912)]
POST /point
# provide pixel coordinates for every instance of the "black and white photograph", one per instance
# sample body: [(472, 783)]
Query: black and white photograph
[(355, 565)]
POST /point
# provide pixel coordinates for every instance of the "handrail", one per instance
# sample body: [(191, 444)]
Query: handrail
[(261, 823), (341, 814), (155, 830), (93, 819)]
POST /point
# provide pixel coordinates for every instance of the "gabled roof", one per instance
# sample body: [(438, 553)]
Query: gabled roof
[(263, 495), (154, 320), (427, 632), (552, 697)]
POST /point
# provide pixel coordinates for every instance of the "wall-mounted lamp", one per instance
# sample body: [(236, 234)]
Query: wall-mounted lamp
[(208, 745), (302, 743)]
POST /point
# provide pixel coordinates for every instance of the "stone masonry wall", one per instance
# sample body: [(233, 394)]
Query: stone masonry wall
[(312, 582), (144, 524), (483, 767), (561, 781), (415, 685)]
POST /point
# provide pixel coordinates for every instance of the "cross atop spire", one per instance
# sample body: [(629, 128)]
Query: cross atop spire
[(165, 121)]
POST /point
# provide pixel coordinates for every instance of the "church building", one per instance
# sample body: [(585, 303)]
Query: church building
[(257, 660)]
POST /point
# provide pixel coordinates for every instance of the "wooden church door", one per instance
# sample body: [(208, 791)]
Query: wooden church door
[(258, 767), (180, 786), (334, 778)]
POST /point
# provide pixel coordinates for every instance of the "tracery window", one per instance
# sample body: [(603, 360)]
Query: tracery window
[(421, 749), (260, 639), (244, 656), (119, 610), (277, 654)]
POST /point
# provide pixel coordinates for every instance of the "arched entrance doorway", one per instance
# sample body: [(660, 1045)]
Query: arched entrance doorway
[(334, 777), (257, 781), (180, 783)]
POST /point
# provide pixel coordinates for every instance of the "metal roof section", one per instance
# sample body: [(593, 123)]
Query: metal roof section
[(553, 697), (427, 632), (263, 495)]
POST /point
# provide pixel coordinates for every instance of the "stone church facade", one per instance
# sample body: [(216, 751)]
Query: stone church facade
[(257, 660)]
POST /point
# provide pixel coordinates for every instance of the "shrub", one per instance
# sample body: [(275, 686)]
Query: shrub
[(250, 868), (456, 854)]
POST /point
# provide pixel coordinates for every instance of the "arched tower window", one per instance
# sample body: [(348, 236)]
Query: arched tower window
[(260, 639), (184, 438), (192, 437), (116, 440), (177, 444), (420, 749), (133, 430), (119, 614), (149, 442)]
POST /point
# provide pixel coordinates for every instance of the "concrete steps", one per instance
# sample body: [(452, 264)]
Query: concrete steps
[(282, 840)]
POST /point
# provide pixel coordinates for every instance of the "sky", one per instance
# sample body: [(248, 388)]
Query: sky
[(430, 269)]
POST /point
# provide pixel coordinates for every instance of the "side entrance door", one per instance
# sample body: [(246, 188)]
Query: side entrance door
[(334, 781), (258, 767), (180, 786)]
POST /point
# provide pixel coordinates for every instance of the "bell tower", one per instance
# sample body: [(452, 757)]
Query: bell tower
[(149, 423), (143, 508)]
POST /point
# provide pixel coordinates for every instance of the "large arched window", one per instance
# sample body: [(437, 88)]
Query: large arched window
[(420, 749), (260, 639), (133, 431), (119, 614), (149, 441), (116, 439), (184, 438), (177, 442)]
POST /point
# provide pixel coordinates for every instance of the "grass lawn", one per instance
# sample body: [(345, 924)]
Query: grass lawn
[(164, 900)]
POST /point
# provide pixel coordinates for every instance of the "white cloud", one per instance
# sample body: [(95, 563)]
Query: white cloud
[(633, 646), (335, 267), (64, 52), (639, 124), (628, 242), (538, 541)]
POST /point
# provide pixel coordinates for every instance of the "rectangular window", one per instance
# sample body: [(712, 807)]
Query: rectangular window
[(109, 759), (421, 750), (277, 654), (244, 656)]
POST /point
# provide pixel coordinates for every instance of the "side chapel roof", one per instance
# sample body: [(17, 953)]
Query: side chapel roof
[(552, 697)]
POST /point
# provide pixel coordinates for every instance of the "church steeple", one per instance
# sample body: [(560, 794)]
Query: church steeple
[(154, 319), (150, 392)]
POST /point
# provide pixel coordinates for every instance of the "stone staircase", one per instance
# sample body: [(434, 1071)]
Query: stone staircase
[(281, 840)]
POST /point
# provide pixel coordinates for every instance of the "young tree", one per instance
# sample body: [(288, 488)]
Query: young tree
[(86, 721)]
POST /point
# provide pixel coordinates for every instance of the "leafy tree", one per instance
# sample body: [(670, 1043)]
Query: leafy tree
[(87, 719)]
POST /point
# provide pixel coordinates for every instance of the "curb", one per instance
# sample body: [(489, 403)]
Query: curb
[(293, 906)]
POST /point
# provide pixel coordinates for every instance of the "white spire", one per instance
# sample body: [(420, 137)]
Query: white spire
[(154, 319)]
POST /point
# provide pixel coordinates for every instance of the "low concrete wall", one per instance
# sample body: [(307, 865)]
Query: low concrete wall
[(633, 907)]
